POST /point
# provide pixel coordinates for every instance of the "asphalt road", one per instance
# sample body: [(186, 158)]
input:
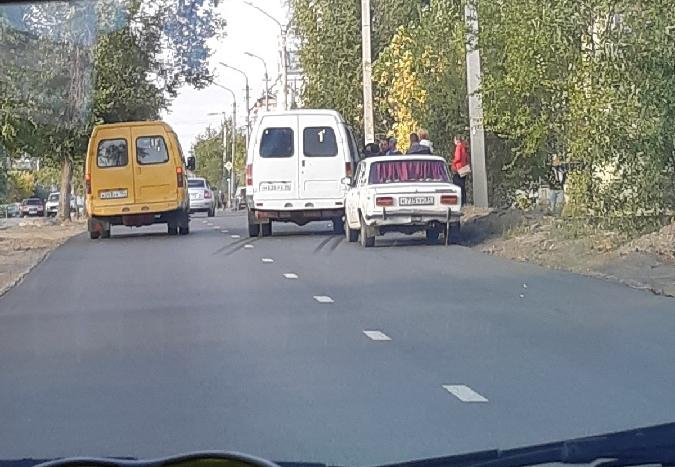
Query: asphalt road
[(147, 345)]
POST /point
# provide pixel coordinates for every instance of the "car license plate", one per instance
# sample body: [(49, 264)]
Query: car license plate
[(114, 194), (416, 201), (194, 195), (282, 186)]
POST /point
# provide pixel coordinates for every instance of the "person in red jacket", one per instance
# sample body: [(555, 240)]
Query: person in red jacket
[(460, 160)]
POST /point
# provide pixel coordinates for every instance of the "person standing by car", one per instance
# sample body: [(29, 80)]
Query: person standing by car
[(556, 185), (393, 150), (424, 140), (460, 165), (416, 147)]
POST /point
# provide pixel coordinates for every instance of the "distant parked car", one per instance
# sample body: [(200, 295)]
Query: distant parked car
[(32, 207), (10, 210), (52, 204), (240, 198), (202, 198)]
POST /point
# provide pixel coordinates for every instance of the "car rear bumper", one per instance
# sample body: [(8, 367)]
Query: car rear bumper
[(410, 217), (297, 205), (128, 209), (200, 204)]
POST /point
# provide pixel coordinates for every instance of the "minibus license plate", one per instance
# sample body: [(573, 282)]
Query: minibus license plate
[(114, 194), (275, 187)]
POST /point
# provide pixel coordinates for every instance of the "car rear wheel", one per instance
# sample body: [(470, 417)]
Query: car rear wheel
[(266, 229), (433, 233), (212, 212), (338, 226), (367, 240), (351, 235), (455, 234), (253, 226)]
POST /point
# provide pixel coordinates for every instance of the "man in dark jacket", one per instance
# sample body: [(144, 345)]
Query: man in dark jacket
[(416, 147)]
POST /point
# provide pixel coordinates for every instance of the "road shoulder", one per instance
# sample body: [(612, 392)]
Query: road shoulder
[(24, 244), (646, 262)]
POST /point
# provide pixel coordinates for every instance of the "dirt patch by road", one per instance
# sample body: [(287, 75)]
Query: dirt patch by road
[(23, 244), (647, 262)]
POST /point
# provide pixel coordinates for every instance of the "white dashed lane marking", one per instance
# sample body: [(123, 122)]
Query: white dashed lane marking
[(267, 260), (235, 236), (323, 299), (377, 335), (224, 231), (290, 275), (248, 246), (464, 393), (215, 227)]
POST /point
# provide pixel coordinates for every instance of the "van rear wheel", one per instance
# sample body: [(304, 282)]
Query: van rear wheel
[(173, 229), (253, 226), (93, 235), (266, 229), (338, 226)]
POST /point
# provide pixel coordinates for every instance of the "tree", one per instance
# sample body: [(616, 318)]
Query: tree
[(208, 151), (76, 71), (329, 32)]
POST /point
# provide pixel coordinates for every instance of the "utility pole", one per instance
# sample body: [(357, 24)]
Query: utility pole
[(473, 83), (368, 124)]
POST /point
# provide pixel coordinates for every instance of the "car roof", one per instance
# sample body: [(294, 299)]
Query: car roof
[(165, 125), (294, 112), (403, 157)]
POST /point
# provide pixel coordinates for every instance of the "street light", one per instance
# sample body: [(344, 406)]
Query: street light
[(248, 107), (267, 79), (230, 190), (284, 54)]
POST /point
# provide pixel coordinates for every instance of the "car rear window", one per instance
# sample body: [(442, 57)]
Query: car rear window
[(54, 197), (405, 171), (112, 153), (34, 202), (195, 183), (277, 142), (319, 141), (151, 150)]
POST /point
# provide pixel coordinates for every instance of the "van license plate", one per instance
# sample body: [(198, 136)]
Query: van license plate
[(416, 201), (275, 187), (114, 194)]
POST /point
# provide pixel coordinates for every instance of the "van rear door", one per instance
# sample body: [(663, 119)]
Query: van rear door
[(275, 158), (111, 168), (322, 158), (154, 165)]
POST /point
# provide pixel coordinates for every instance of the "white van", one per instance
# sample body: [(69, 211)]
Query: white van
[(296, 164)]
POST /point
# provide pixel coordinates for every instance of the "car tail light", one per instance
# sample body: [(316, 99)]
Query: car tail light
[(348, 169), (179, 177), (249, 175), (87, 182), (450, 199), (207, 194), (384, 201)]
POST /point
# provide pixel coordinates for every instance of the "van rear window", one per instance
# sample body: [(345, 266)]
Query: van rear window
[(112, 153), (319, 142), (151, 150), (277, 142)]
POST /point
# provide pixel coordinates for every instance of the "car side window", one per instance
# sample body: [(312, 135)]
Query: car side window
[(151, 150)]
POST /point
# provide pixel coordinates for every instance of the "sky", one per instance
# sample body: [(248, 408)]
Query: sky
[(247, 30)]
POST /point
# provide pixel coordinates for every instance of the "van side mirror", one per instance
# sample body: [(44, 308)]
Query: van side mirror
[(191, 163)]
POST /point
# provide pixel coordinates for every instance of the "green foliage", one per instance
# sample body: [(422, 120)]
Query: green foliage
[(208, 151), (330, 38), (421, 78)]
